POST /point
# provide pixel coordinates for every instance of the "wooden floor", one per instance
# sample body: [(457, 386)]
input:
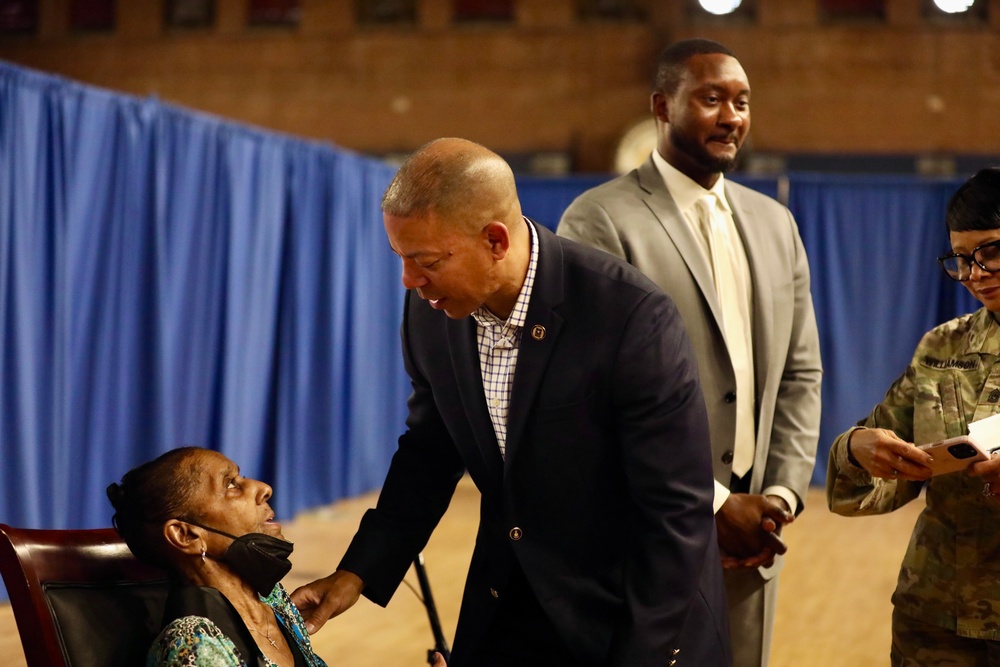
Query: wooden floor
[(833, 607)]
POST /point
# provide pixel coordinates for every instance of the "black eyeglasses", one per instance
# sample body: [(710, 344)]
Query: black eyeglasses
[(959, 267)]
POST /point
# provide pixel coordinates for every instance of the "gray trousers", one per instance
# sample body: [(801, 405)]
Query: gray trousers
[(752, 606)]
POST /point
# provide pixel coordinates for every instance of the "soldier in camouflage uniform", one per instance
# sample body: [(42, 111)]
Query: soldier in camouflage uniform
[(947, 599)]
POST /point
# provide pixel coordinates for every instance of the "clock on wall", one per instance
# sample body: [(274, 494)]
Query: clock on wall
[(635, 145)]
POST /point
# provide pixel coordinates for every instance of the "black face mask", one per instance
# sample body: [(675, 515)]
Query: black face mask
[(262, 560)]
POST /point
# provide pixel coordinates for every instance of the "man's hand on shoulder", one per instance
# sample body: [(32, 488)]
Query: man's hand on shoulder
[(325, 598)]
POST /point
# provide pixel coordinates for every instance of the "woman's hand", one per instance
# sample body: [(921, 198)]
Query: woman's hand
[(883, 454), (439, 660), (990, 472)]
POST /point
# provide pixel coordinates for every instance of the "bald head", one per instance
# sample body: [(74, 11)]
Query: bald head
[(452, 215), (456, 180)]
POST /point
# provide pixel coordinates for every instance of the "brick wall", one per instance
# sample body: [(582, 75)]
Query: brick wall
[(548, 81)]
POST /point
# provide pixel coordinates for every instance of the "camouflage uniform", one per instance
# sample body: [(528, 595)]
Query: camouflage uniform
[(950, 574)]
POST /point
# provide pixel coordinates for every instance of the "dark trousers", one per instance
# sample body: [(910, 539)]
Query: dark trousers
[(521, 634)]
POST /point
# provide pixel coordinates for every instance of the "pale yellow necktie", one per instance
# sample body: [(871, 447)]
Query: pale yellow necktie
[(735, 326)]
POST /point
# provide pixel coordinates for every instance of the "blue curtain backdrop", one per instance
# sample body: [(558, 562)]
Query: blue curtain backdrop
[(872, 243), (167, 278), (170, 279)]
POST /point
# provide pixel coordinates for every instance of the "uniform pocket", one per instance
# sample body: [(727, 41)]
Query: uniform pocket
[(937, 409), (952, 409)]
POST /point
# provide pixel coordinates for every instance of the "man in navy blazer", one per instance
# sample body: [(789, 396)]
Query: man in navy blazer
[(563, 381)]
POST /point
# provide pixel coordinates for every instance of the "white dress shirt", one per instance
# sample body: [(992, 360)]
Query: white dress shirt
[(736, 303)]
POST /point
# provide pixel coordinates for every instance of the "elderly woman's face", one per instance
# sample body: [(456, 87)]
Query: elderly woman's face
[(229, 502), (983, 285)]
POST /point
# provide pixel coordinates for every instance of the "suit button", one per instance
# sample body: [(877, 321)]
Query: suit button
[(994, 396), (727, 457), (730, 397), (671, 663), (494, 593), (675, 651), (515, 533)]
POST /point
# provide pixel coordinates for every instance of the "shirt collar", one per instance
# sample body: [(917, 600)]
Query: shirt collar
[(519, 314), (684, 190)]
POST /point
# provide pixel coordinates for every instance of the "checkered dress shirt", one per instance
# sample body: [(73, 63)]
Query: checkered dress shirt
[(498, 342)]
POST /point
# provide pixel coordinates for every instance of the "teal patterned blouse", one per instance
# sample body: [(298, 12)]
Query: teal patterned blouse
[(195, 641)]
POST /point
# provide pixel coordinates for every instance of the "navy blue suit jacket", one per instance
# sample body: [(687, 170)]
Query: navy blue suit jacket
[(607, 476)]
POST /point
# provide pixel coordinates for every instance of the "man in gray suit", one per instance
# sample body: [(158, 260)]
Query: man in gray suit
[(733, 262)]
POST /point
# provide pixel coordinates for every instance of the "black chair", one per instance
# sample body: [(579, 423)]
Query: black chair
[(79, 597)]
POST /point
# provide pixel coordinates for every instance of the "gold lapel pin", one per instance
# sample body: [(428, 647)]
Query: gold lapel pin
[(538, 332)]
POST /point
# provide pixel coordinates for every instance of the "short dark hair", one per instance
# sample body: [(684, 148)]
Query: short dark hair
[(149, 495), (673, 60), (975, 206)]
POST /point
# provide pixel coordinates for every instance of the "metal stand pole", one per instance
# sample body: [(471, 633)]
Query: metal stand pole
[(440, 645)]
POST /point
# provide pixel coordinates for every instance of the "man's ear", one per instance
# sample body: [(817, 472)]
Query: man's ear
[(498, 236), (659, 104), (183, 536)]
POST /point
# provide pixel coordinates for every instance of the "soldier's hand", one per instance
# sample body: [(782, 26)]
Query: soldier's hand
[(884, 454)]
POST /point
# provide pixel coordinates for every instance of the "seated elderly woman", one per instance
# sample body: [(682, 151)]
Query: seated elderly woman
[(948, 592), (191, 513)]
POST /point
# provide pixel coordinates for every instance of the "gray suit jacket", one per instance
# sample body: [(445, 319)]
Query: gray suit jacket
[(635, 218)]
